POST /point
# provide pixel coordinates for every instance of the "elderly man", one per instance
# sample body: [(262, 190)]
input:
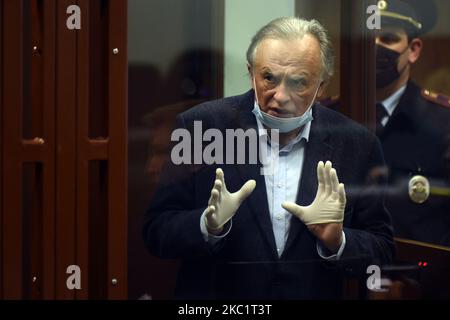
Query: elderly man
[(292, 234)]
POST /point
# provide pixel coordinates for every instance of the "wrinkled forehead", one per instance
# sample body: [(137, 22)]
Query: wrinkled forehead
[(293, 54)]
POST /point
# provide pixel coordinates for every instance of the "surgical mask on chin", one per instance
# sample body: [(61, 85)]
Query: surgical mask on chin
[(387, 66), (283, 125)]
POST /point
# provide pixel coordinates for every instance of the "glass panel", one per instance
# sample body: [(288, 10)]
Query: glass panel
[(174, 64), (170, 77), (328, 13), (414, 130)]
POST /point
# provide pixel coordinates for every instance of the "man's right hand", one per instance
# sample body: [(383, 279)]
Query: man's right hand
[(222, 204)]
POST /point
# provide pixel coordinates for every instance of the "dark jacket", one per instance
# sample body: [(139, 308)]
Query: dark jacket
[(416, 141), (245, 264)]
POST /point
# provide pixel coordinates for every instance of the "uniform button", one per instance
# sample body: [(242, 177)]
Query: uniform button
[(279, 217), (280, 185)]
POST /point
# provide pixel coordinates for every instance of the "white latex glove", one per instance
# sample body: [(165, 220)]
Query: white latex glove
[(222, 204), (329, 204)]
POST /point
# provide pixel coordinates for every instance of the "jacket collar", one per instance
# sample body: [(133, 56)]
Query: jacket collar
[(409, 111)]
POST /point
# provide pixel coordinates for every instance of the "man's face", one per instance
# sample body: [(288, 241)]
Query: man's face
[(395, 39), (287, 75)]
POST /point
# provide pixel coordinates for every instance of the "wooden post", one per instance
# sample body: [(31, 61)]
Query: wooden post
[(117, 166), (12, 165), (357, 63)]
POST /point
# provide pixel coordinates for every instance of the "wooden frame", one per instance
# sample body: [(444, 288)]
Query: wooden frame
[(66, 102), (357, 63), (111, 149), (12, 111), (49, 171), (118, 125), (58, 232)]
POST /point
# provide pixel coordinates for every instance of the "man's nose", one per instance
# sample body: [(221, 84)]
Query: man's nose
[(379, 41), (282, 94)]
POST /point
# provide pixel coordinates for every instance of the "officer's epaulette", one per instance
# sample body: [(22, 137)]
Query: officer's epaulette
[(437, 98), (330, 101)]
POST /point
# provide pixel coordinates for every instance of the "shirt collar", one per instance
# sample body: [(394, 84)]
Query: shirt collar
[(392, 101)]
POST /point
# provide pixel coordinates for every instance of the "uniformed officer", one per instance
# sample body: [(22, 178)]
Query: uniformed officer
[(413, 125)]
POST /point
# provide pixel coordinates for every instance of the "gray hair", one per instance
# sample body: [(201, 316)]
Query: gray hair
[(295, 28)]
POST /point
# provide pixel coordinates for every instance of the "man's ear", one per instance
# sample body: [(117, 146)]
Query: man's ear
[(415, 50), (250, 73), (322, 87)]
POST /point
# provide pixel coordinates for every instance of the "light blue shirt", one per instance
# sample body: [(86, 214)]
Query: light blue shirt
[(281, 186), (391, 102)]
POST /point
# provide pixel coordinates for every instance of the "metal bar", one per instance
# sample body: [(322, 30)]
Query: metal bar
[(12, 165), (117, 182)]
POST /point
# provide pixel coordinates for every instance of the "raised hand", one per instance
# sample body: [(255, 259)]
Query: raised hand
[(324, 216), (222, 204)]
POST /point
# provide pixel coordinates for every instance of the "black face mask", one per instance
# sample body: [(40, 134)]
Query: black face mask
[(387, 66)]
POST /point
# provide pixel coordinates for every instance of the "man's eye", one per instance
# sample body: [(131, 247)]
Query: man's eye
[(389, 38), (298, 83), (268, 77)]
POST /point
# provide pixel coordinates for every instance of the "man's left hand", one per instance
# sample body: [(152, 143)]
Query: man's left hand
[(325, 216)]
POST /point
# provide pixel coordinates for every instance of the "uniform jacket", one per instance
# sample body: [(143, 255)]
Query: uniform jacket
[(416, 141)]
